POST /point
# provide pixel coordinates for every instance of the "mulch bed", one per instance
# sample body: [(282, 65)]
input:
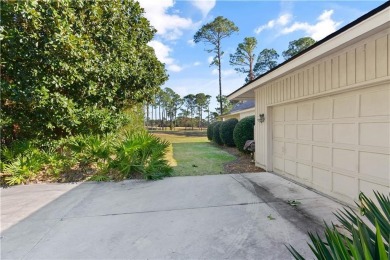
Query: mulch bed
[(243, 163)]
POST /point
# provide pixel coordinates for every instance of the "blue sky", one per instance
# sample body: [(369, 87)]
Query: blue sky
[(273, 23)]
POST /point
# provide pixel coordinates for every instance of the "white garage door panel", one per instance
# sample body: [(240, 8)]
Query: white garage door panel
[(338, 144), (381, 137)]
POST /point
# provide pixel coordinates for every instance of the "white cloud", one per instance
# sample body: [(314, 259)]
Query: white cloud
[(197, 63), (191, 42), (169, 26), (162, 51), (282, 20), (325, 25), (204, 6), (163, 54), (182, 91), (174, 68), (210, 59)]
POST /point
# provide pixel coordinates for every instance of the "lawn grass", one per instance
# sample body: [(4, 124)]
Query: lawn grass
[(194, 155)]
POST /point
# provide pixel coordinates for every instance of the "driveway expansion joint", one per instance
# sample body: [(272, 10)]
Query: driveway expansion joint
[(165, 210)]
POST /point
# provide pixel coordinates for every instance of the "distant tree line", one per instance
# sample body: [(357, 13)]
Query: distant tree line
[(168, 110)]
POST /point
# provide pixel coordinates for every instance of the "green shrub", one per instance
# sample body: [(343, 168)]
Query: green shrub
[(93, 151), (9, 153), (57, 161), (216, 133), (105, 156), (361, 241), (142, 153), (100, 121), (21, 162), (22, 169), (91, 148), (135, 116), (52, 83), (210, 131), (226, 131), (244, 132)]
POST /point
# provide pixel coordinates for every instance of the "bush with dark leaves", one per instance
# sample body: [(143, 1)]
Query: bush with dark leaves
[(244, 131), (226, 131), (216, 133)]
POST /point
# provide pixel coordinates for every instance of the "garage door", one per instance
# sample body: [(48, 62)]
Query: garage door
[(337, 144)]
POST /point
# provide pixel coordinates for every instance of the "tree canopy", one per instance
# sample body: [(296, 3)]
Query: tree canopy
[(244, 57), (68, 64), (295, 47), (267, 60), (212, 33), (227, 104)]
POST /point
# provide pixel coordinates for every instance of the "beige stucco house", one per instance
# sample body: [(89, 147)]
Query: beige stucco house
[(241, 110), (327, 111)]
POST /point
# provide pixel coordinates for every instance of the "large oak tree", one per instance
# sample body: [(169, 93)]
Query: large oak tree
[(71, 66)]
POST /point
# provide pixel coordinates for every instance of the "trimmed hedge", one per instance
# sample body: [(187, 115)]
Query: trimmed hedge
[(243, 132), (216, 133), (210, 131), (226, 131)]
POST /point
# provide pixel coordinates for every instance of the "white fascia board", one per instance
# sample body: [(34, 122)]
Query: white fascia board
[(241, 111)]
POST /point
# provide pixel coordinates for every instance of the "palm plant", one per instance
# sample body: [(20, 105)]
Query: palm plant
[(23, 167), (8, 154), (56, 161), (365, 239), (92, 148), (142, 153)]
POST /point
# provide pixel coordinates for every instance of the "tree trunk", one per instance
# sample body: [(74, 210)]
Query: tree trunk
[(186, 119), (147, 115), (152, 115), (174, 124), (199, 109), (208, 111), (219, 74), (159, 114), (251, 75), (155, 114), (200, 119), (192, 119)]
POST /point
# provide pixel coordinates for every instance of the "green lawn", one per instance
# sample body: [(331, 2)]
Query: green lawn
[(194, 155)]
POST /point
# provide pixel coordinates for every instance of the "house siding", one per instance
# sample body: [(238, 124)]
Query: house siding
[(353, 69), (247, 113)]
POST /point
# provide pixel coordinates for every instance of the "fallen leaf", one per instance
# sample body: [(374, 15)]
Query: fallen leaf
[(293, 202), (270, 217)]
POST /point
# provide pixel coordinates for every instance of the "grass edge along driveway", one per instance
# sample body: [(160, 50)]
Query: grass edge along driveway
[(194, 155)]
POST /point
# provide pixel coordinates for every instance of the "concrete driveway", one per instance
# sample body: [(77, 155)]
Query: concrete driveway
[(242, 216)]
